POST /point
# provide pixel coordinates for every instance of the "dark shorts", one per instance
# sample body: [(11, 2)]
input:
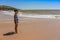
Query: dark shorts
[(16, 21)]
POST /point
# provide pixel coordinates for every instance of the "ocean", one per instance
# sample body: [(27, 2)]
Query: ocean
[(30, 15)]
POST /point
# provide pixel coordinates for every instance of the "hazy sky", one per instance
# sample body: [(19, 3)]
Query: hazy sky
[(32, 4)]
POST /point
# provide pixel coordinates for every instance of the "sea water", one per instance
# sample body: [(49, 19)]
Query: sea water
[(30, 15)]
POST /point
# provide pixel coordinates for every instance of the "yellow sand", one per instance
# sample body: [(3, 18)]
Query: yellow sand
[(36, 29)]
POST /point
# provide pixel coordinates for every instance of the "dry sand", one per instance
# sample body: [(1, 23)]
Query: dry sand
[(31, 29)]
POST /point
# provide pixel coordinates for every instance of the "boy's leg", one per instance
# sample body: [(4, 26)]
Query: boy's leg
[(16, 25)]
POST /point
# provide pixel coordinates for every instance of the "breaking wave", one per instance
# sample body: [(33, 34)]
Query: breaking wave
[(32, 15)]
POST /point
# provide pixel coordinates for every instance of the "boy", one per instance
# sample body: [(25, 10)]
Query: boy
[(16, 20)]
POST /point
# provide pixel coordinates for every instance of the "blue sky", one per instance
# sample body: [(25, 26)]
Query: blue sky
[(32, 4)]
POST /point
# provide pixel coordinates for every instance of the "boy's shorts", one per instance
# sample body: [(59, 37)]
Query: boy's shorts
[(16, 21)]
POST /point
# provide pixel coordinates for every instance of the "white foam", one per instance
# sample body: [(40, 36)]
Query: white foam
[(7, 12), (32, 15), (40, 16)]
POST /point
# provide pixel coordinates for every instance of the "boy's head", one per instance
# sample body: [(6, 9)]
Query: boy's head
[(16, 11)]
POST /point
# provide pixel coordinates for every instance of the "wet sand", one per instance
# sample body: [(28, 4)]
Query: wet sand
[(31, 29)]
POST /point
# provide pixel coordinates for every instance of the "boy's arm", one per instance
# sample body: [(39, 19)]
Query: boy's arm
[(14, 17)]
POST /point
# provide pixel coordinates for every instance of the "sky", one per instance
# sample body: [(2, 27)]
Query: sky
[(32, 4)]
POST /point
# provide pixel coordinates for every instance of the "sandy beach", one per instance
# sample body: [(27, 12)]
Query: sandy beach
[(37, 19), (31, 29)]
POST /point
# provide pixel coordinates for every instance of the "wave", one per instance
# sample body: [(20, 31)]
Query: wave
[(39, 16), (32, 15)]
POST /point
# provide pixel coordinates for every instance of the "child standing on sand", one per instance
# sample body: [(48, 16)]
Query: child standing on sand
[(16, 20)]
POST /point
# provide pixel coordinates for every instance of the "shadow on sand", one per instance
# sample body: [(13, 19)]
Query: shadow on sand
[(9, 33)]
